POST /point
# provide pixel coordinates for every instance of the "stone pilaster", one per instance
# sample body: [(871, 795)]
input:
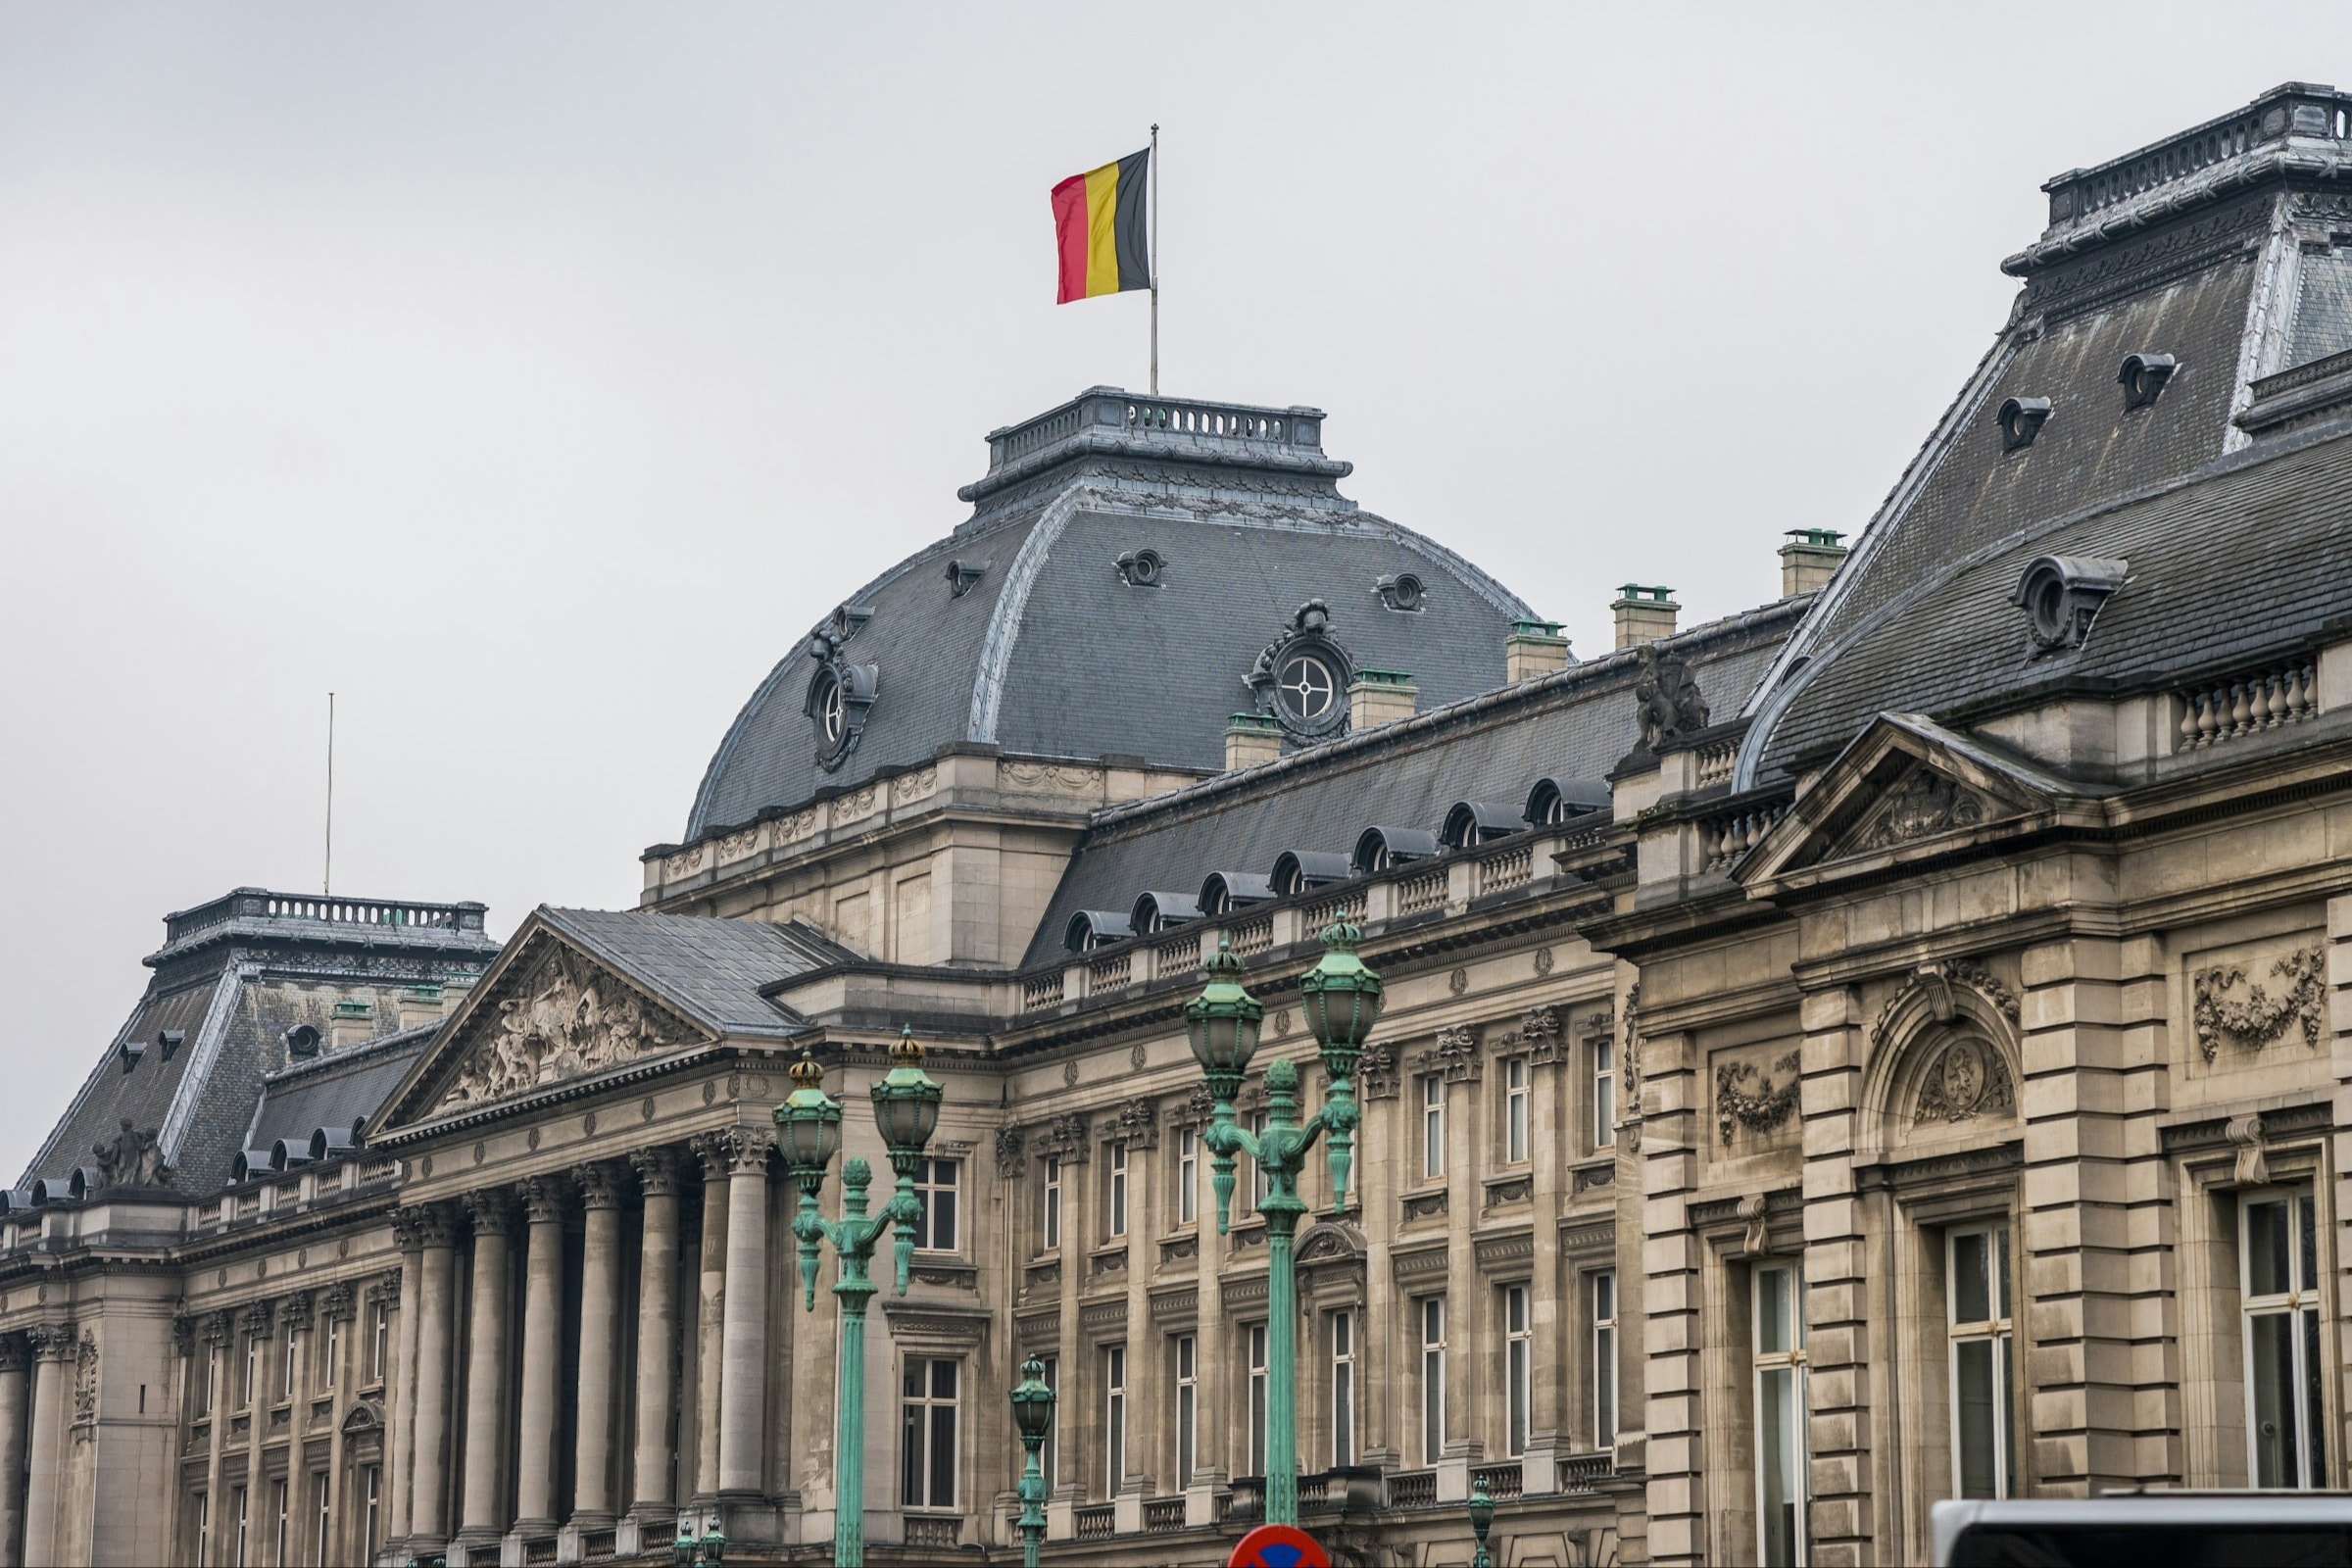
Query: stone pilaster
[(547, 1202), (481, 1514), (437, 1329), (16, 1401), (653, 1475), (599, 1189), (1551, 1141), (743, 1383), (401, 1396), (1838, 1347), (1670, 1258), (217, 1327), (53, 1347), (710, 1150)]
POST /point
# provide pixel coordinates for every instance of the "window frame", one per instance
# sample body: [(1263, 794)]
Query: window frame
[(1518, 1368), (1342, 1387), (1188, 1176), (923, 1413), (1999, 1333), (1518, 1099), (330, 1352), (326, 1515), (1050, 1207), (1116, 1164), (379, 1342), (286, 1366), (1603, 1080), (1601, 1293), (1430, 1318), (1114, 1417), (1433, 1127), (1254, 1358), (2303, 1305), (928, 1188), (1764, 1364), (1186, 1352)]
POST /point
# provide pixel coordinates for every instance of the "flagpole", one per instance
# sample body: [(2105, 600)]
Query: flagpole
[(1156, 258)]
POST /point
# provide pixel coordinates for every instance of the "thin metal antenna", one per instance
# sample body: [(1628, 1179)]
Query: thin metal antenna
[(1156, 258), (326, 879)]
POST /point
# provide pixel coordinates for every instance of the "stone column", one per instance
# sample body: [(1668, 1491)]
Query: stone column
[(600, 1320), (1554, 1296), (545, 1201), (654, 1473), (402, 1395), (52, 1354), (481, 1518), (709, 1149), (430, 1432), (743, 1381), (216, 1371), (16, 1395)]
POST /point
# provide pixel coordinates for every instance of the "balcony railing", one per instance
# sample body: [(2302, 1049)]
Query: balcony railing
[(1041, 991), (1501, 1480), (1578, 1472), (1413, 1489), (2218, 711), (1162, 1514), (936, 1531), (1095, 1521)]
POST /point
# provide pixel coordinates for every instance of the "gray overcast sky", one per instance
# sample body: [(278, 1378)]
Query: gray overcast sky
[(532, 375)]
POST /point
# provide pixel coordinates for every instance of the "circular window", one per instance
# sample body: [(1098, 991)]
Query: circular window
[(1306, 688), (2049, 610)]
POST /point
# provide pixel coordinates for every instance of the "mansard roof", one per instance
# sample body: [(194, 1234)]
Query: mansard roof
[(1032, 629), (1576, 724)]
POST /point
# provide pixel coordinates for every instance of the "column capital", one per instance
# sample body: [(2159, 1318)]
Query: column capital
[(385, 1292), (658, 1173), (601, 1183), (254, 1318), (14, 1352), (52, 1342), (547, 1199), (711, 1148), (336, 1300), (425, 1225), (747, 1149), (297, 1309), (493, 1211), (216, 1327)]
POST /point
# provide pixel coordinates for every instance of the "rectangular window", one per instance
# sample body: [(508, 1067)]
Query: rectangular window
[(379, 1339), (1433, 1125), (1779, 1355), (1187, 1407), (1432, 1378), (1115, 1418), (2277, 1245), (331, 1355), (285, 1368), (1983, 1431), (1604, 1359), (277, 1511), (249, 1387), (1118, 1188), (1053, 1208), (935, 1185), (1514, 1111), (206, 1379), (1518, 1347), (1188, 1176), (1604, 1093), (927, 1430), (204, 1530), (1343, 1388), (323, 1523), (1046, 1456), (237, 1527), (1257, 1333), (372, 1500)]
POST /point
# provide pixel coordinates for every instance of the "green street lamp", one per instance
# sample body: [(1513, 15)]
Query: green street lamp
[(1340, 998), (697, 1553), (1482, 1520), (1033, 1414), (808, 1126)]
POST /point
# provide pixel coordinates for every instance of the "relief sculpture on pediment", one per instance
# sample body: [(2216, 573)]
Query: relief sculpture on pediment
[(1924, 805), (567, 1020)]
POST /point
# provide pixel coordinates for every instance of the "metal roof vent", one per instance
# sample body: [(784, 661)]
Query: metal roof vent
[(964, 575), (1142, 569), (302, 1041), (2061, 595), (1401, 592), (2022, 419), (2143, 376)]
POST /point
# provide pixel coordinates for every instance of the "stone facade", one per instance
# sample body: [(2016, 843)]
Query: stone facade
[(1884, 1047)]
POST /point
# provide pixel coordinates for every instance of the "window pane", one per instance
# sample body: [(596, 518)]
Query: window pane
[(1514, 1309), (943, 1454), (2273, 1357), (1517, 1434), (2000, 1248), (943, 1380), (2267, 1272), (2003, 1351), (1343, 1414), (911, 1456), (911, 1385), (2315, 1440), (1605, 1110), (943, 1220), (1605, 1387), (1605, 1296), (2308, 1243), (1772, 1312), (1971, 1295), (1778, 1458), (1973, 1403)]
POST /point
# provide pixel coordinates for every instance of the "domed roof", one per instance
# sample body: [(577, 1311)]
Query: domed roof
[(1129, 564)]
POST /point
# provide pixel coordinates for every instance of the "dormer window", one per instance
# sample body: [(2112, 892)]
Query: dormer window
[(1142, 569), (131, 1051), (1402, 591), (302, 1041), (1091, 929), (2061, 595), (170, 1041), (964, 576), (1382, 848), (2022, 419), (2143, 376)]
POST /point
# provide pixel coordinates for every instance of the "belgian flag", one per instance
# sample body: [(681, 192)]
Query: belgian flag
[(1098, 230)]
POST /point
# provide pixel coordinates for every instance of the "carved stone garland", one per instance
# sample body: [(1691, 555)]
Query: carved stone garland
[(1008, 1152), (568, 1019), (1629, 1071), (1969, 1079), (2262, 1017), (1765, 1106)]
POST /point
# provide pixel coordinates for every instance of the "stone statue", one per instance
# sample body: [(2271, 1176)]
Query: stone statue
[(1670, 705), (132, 1157)]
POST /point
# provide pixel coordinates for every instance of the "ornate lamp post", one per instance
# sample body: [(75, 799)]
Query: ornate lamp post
[(1482, 1520), (808, 1126), (1033, 1413), (1340, 998), (708, 1551)]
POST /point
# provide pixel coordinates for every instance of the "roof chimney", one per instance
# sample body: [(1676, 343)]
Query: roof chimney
[(353, 1023), (1379, 697), (1643, 613), (1809, 559), (1534, 648), (1251, 739)]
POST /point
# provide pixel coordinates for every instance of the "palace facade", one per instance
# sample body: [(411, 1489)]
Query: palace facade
[(1890, 1044)]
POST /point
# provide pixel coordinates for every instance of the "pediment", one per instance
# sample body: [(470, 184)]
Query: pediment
[(546, 1014), (1908, 788)]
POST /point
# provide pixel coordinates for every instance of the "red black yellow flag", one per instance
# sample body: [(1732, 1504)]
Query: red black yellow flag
[(1099, 228)]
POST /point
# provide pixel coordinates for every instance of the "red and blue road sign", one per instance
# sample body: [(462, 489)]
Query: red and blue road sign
[(1278, 1547)]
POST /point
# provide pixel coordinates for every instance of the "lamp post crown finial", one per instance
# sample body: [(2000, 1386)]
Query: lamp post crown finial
[(807, 1072), (907, 1050)]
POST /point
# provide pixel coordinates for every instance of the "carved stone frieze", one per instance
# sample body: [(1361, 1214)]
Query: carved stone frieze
[(546, 1200), (1425, 1205), (86, 1379), (600, 1184), (1629, 1069), (1926, 803), (2260, 1017), (567, 1018), (1932, 984), (1747, 1095), (1967, 1079), (132, 1157), (385, 1292), (658, 1171), (1516, 1190), (1050, 777)]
